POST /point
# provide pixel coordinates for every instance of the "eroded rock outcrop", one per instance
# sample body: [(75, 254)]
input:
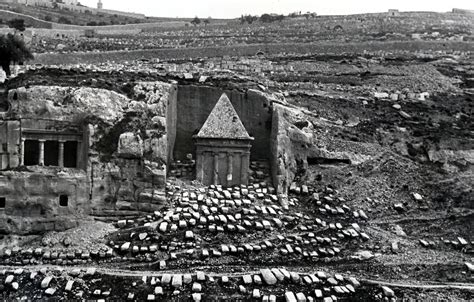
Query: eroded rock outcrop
[(300, 139), (84, 151), (130, 145), (289, 146), (68, 103)]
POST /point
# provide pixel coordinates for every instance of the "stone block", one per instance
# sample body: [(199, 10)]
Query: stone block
[(130, 145), (69, 286), (268, 277), (388, 292), (46, 281), (197, 288), (247, 279), (290, 297)]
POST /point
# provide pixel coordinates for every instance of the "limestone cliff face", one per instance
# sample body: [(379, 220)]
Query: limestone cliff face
[(161, 107), (128, 159), (33, 200), (289, 146), (68, 103), (300, 139), (123, 150), (373, 149)]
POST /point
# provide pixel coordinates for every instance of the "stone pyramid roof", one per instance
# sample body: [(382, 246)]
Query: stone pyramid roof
[(223, 122)]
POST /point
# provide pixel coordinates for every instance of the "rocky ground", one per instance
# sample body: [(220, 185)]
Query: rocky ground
[(240, 243), (382, 211)]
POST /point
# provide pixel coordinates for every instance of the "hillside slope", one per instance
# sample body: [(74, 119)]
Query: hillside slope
[(66, 17)]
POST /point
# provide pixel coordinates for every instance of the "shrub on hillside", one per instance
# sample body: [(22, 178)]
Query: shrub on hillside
[(196, 21), (64, 20), (18, 24), (267, 18), (248, 18), (13, 49)]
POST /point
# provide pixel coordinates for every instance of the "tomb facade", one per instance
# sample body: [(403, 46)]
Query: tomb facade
[(223, 147)]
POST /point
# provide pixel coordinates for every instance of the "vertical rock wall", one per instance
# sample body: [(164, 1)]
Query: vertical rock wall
[(289, 146), (33, 200), (195, 103), (133, 178)]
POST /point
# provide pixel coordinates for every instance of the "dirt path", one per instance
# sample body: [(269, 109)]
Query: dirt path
[(25, 16), (429, 218), (423, 285), (252, 270)]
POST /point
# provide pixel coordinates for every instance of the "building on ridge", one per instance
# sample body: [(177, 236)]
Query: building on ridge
[(393, 12)]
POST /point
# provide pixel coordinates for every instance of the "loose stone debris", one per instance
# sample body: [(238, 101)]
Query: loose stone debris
[(333, 165)]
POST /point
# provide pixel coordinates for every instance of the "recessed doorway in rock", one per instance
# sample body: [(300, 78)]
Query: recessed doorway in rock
[(63, 200), (70, 154), (51, 153), (5, 106), (31, 153), (327, 161), (3, 202)]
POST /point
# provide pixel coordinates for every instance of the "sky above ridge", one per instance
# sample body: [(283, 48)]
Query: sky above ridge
[(235, 8)]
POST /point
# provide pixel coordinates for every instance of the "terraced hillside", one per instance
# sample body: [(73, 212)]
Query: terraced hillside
[(69, 17), (375, 136)]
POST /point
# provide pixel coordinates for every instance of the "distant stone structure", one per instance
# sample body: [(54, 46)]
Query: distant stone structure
[(100, 5), (223, 147), (393, 12), (463, 11)]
